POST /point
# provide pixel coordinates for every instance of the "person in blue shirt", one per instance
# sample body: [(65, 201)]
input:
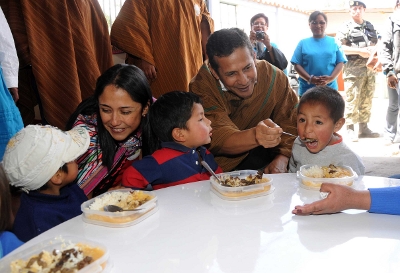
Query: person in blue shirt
[(319, 59), (8, 241), (375, 200)]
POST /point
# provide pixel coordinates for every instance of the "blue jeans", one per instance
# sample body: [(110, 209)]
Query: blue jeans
[(392, 115)]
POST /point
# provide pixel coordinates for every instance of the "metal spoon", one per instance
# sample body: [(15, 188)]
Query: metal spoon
[(302, 140), (289, 134), (114, 208), (208, 168)]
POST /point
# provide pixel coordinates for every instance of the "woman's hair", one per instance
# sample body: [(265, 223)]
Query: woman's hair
[(314, 15), (326, 96), (127, 77), (223, 42), (171, 110), (5, 202), (259, 15)]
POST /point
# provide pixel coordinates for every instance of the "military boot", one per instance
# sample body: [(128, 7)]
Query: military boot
[(365, 132), (351, 134)]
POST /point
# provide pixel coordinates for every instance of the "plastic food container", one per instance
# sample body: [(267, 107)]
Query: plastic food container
[(119, 219), (242, 192), (96, 250), (312, 183)]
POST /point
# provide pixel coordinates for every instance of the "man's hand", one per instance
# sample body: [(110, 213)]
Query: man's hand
[(339, 198), (392, 81), (14, 93), (149, 70), (278, 165), (268, 134)]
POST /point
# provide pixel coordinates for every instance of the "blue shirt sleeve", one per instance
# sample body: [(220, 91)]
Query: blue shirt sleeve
[(385, 200), (8, 242)]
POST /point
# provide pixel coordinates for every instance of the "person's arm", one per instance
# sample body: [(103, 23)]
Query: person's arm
[(130, 33), (8, 57), (266, 134), (206, 27), (205, 33), (385, 200), (141, 174), (364, 52), (385, 54), (339, 198), (324, 80)]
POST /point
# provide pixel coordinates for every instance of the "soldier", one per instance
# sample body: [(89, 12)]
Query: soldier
[(358, 38)]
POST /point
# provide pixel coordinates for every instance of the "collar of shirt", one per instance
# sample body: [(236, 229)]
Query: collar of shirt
[(180, 147)]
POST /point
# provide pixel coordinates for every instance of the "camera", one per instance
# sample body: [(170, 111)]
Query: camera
[(260, 35)]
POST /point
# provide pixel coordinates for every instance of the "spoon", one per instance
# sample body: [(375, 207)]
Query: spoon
[(208, 168), (302, 140), (114, 208), (289, 134)]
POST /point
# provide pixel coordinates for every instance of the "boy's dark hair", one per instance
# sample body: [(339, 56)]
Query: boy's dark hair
[(171, 110), (223, 42), (132, 80), (259, 15), (5, 202), (328, 97)]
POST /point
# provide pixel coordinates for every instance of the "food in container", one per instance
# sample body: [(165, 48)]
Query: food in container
[(61, 254), (242, 184), (94, 213), (312, 176)]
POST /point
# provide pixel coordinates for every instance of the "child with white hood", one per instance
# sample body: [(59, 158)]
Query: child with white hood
[(40, 160)]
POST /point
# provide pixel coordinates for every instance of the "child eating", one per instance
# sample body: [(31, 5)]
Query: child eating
[(176, 132), (39, 160), (319, 118)]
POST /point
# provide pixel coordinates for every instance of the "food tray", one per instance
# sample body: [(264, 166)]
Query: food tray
[(119, 219), (242, 192), (311, 183), (101, 264)]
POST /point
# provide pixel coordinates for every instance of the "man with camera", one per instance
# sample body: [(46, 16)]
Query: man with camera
[(265, 50)]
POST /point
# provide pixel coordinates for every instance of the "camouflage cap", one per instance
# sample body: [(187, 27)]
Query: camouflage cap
[(357, 3)]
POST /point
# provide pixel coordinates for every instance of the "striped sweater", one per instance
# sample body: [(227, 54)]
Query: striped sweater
[(173, 164)]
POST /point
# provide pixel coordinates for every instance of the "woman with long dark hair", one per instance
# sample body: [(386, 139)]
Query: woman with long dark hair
[(114, 116)]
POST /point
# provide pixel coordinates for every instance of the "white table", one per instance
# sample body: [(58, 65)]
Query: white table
[(196, 231)]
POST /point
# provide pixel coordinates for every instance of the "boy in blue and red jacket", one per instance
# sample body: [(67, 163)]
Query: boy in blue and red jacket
[(176, 132)]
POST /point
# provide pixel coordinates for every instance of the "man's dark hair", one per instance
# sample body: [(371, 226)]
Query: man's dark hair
[(259, 15), (171, 110), (328, 97), (223, 42)]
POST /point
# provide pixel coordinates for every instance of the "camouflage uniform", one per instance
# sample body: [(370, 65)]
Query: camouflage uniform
[(359, 81)]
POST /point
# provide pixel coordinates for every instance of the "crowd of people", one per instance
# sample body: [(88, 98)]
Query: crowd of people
[(187, 94)]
